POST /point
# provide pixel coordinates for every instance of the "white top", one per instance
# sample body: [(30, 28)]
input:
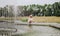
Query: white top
[(30, 19)]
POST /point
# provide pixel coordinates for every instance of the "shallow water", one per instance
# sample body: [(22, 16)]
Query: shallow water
[(38, 31), (24, 30)]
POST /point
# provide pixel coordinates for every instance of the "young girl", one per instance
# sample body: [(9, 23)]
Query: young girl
[(30, 20)]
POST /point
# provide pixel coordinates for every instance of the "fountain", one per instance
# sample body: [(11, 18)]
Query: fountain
[(16, 15), (7, 28)]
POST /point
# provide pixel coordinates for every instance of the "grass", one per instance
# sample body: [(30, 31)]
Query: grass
[(36, 19), (45, 19), (6, 18)]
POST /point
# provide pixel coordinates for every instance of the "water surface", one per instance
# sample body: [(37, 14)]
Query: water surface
[(38, 31)]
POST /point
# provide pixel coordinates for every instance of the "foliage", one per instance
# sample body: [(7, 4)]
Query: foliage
[(24, 19), (45, 10), (35, 10)]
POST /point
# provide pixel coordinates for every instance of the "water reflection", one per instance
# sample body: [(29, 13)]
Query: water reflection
[(38, 31)]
